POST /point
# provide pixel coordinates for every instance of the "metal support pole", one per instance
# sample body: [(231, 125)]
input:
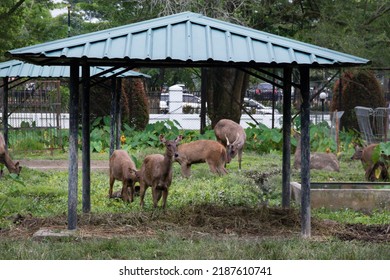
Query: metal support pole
[(305, 152), (73, 141), (203, 95), (273, 106), (5, 111), (286, 168), (113, 115), (118, 93), (86, 193)]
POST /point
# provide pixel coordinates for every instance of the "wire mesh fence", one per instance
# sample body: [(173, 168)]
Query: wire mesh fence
[(373, 123), (34, 118)]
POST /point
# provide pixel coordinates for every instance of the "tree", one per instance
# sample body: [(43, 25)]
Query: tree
[(358, 88), (356, 27), (26, 22), (225, 93)]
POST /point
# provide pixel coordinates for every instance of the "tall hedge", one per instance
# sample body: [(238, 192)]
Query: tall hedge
[(359, 87), (135, 108)]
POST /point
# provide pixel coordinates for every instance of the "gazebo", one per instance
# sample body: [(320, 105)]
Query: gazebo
[(187, 40)]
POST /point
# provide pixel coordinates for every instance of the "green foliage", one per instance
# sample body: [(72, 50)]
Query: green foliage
[(320, 139), (356, 27), (149, 137), (37, 139), (263, 139), (381, 152), (100, 134), (27, 24)]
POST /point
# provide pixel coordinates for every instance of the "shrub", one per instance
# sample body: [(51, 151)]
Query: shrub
[(358, 88)]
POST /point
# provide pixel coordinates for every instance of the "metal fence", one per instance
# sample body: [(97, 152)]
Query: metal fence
[(34, 116)]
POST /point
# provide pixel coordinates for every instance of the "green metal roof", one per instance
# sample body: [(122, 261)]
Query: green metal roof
[(17, 68), (185, 38)]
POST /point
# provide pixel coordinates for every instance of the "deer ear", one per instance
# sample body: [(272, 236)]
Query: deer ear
[(179, 138)]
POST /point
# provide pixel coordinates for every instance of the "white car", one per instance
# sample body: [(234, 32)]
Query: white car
[(252, 105), (189, 100)]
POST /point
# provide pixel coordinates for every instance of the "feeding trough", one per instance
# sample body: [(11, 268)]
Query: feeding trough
[(340, 195)]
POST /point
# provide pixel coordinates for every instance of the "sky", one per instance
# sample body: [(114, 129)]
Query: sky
[(57, 12)]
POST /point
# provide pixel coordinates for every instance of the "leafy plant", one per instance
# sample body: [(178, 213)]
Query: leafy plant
[(149, 137), (263, 139), (100, 134), (382, 153), (320, 139)]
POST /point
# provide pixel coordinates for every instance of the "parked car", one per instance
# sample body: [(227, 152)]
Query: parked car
[(190, 102), (254, 106), (265, 91)]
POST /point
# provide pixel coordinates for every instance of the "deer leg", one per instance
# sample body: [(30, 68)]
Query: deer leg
[(125, 194), (239, 159), (156, 196), (132, 191), (112, 180), (165, 196), (186, 170), (221, 170), (212, 168), (141, 193)]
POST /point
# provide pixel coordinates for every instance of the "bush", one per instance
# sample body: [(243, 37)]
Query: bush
[(358, 88)]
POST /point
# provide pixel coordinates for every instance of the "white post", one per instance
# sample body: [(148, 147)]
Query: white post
[(175, 100)]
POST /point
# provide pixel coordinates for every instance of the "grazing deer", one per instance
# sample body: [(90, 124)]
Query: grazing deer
[(156, 171), (6, 159), (232, 136), (365, 156), (122, 168), (199, 151), (318, 160)]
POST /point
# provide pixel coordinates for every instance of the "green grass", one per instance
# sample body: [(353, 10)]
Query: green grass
[(170, 246)]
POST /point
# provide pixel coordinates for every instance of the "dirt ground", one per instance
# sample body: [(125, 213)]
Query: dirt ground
[(61, 164), (201, 220)]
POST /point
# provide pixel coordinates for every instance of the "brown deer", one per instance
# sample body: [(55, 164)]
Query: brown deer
[(199, 151), (232, 136), (156, 171), (364, 154), (122, 168), (13, 167), (318, 160)]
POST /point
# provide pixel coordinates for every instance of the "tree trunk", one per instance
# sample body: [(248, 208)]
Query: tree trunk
[(225, 92)]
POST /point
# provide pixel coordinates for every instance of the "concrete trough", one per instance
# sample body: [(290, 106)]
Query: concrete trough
[(336, 196)]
